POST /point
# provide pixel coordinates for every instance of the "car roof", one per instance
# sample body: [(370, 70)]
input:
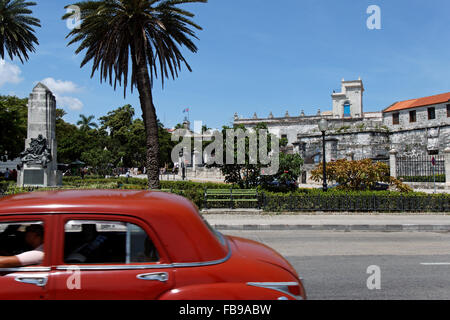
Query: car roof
[(174, 219)]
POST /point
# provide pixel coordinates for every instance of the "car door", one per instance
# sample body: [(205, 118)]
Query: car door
[(28, 282), (109, 257)]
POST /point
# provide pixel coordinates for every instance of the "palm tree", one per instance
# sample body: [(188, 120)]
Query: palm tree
[(16, 29), (86, 123), (147, 33)]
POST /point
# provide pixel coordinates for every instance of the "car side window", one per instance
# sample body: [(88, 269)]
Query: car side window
[(23, 239), (98, 242)]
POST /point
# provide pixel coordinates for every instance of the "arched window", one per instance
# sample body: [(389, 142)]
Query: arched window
[(347, 113)]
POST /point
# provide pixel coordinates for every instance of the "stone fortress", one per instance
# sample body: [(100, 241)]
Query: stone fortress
[(412, 128)]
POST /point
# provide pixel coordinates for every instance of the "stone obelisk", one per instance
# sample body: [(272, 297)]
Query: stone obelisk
[(39, 160)]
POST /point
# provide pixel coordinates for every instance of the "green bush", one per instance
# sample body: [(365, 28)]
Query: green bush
[(298, 200), (379, 201), (439, 178), (187, 185), (5, 185)]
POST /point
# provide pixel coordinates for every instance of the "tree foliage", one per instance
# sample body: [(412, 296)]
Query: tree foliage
[(71, 141), (86, 123), (290, 168), (119, 141), (248, 174), (140, 38), (16, 29), (358, 175), (166, 146), (13, 125)]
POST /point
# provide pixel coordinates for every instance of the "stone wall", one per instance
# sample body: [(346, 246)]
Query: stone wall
[(420, 141)]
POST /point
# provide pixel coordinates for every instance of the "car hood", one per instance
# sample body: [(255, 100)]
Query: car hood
[(258, 251)]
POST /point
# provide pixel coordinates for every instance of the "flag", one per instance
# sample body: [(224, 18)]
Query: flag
[(186, 110)]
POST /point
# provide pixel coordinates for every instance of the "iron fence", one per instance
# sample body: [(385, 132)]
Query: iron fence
[(421, 168)]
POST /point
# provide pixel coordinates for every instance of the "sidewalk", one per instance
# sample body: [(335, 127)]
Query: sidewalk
[(331, 222)]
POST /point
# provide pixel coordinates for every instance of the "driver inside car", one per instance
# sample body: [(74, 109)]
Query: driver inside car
[(34, 237)]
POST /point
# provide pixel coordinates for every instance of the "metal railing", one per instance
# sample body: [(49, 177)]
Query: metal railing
[(421, 168)]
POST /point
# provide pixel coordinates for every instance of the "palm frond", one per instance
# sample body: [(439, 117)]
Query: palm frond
[(115, 33), (17, 36)]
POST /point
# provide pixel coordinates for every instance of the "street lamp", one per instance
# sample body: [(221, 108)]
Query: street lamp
[(323, 126), (182, 165)]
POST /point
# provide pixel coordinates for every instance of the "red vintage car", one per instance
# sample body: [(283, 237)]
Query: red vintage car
[(131, 245)]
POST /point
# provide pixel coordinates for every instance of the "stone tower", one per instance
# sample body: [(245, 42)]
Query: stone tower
[(39, 160), (349, 102)]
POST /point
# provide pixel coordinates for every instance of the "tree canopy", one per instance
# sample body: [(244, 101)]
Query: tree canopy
[(13, 125), (16, 29), (247, 173), (140, 39)]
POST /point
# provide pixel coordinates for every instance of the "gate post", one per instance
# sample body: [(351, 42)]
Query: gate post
[(447, 167), (349, 155), (393, 162)]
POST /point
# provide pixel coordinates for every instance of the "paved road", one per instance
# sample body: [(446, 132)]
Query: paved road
[(334, 264)]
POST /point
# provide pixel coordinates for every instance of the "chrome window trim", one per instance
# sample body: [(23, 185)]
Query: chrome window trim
[(26, 269), (150, 266), (274, 285), (128, 244)]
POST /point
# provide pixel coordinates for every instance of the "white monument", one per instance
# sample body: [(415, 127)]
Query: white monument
[(39, 160)]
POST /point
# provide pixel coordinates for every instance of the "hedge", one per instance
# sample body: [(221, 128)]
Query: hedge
[(371, 201), (439, 178), (299, 200)]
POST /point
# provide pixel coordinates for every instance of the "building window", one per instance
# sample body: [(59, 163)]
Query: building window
[(448, 111), (412, 116), (347, 113), (396, 118), (431, 113)]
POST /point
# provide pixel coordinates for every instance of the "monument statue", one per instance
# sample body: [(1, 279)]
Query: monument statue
[(38, 161), (37, 153)]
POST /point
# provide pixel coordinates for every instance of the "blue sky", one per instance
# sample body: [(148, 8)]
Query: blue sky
[(263, 56)]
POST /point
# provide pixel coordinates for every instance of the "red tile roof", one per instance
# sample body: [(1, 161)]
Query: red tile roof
[(421, 102)]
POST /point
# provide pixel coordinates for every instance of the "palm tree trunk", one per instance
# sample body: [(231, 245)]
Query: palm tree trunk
[(150, 121)]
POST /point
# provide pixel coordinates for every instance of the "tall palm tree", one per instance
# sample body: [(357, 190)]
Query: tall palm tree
[(147, 33), (16, 29), (86, 123)]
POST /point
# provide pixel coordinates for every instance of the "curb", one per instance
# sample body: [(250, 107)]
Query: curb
[(345, 228)]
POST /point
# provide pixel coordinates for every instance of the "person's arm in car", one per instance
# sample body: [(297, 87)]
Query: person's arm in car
[(9, 262)]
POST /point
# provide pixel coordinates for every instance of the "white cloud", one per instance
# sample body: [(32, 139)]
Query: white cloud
[(60, 86), (69, 102), (9, 73)]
